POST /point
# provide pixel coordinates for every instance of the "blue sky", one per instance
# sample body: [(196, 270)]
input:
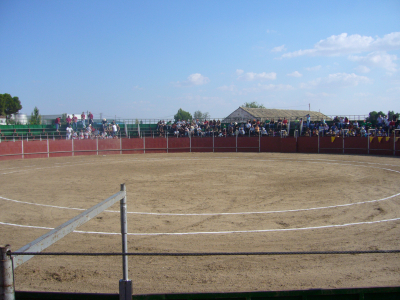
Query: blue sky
[(147, 59)]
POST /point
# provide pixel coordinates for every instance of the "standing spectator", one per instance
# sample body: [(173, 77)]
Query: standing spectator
[(68, 120), (90, 118), (69, 132), (57, 122), (114, 129), (74, 122), (308, 120), (83, 117)]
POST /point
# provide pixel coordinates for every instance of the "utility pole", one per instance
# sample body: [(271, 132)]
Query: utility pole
[(309, 107)]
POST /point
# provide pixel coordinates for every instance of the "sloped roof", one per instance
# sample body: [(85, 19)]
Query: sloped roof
[(280, 113)]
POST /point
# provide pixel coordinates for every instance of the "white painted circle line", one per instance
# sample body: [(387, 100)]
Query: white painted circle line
[(213, 214), (333, 162), (214, 232)]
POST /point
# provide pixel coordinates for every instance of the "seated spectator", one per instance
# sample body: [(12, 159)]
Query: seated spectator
[(272, 124), (284, 123), (279, 125), (264, 131), (81, 135)]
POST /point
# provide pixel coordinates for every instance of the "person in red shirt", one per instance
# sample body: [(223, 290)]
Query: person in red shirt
[(68, 120), (83, 119), (284, 123), (90, 118), (57, 122)]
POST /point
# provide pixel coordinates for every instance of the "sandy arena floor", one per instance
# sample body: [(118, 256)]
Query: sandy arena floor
[(265, 195)]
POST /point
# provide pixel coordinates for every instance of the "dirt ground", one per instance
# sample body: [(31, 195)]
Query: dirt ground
[(264, 193)]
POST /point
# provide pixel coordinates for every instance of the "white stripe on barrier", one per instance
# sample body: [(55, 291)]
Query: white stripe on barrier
[(215, 232)]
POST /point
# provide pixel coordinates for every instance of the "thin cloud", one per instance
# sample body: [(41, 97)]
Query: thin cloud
[(192, 80), (337, 80), (363, 69), (316, 68), (295, 74), (231, 88), (279, 49), (250, 76), (345, 44), (239, 72), (377, 59)]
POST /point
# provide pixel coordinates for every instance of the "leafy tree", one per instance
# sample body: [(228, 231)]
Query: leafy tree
[(63, 119), (36, 118), (391, 114), (9, 105), (253, 105), (201, 116), (373, 117), (182, 115)]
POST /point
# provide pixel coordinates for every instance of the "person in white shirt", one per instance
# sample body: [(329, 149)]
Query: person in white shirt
[(69, 132)]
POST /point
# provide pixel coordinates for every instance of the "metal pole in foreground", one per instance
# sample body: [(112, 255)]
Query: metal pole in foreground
[(6, 275), (125, 285)]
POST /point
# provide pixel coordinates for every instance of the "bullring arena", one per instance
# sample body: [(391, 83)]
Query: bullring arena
[(207, 202)]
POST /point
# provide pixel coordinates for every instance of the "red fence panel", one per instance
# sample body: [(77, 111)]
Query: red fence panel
[(204, 144), (248, 144), (85, 147), (332, 145), (271, 144), (132, 146), (381, 146), (10, 150), (225, 144), (109, 146), (307, 144), (178, 145), (288, 145), (356, 145), (156, 145), (37, 148), (60, 148)]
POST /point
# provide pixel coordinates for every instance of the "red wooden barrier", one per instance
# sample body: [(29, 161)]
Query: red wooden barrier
[(109, 146), (156, 145), (352, 145), (9, 149), (332, 145), (222, 144), (85, 147), (60, 148), (204, 144), (37, 148), (178, 145), (132, 146), (248, 144), (307, 144)]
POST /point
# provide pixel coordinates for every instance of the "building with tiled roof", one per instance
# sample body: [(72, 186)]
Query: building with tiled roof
[(244, 113)]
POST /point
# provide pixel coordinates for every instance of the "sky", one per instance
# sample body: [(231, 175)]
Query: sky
[(148, 59)]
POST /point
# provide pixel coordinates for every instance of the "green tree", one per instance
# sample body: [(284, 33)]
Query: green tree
[(253, 105), (391, 114), (201, 116), (373, 116), (9, 105), (36, 118), (182, 115)]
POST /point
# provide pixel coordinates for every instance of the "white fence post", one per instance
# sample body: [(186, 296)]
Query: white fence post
[(6, 275)]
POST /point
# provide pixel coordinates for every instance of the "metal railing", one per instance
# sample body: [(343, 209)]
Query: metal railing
[(9, 262)]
